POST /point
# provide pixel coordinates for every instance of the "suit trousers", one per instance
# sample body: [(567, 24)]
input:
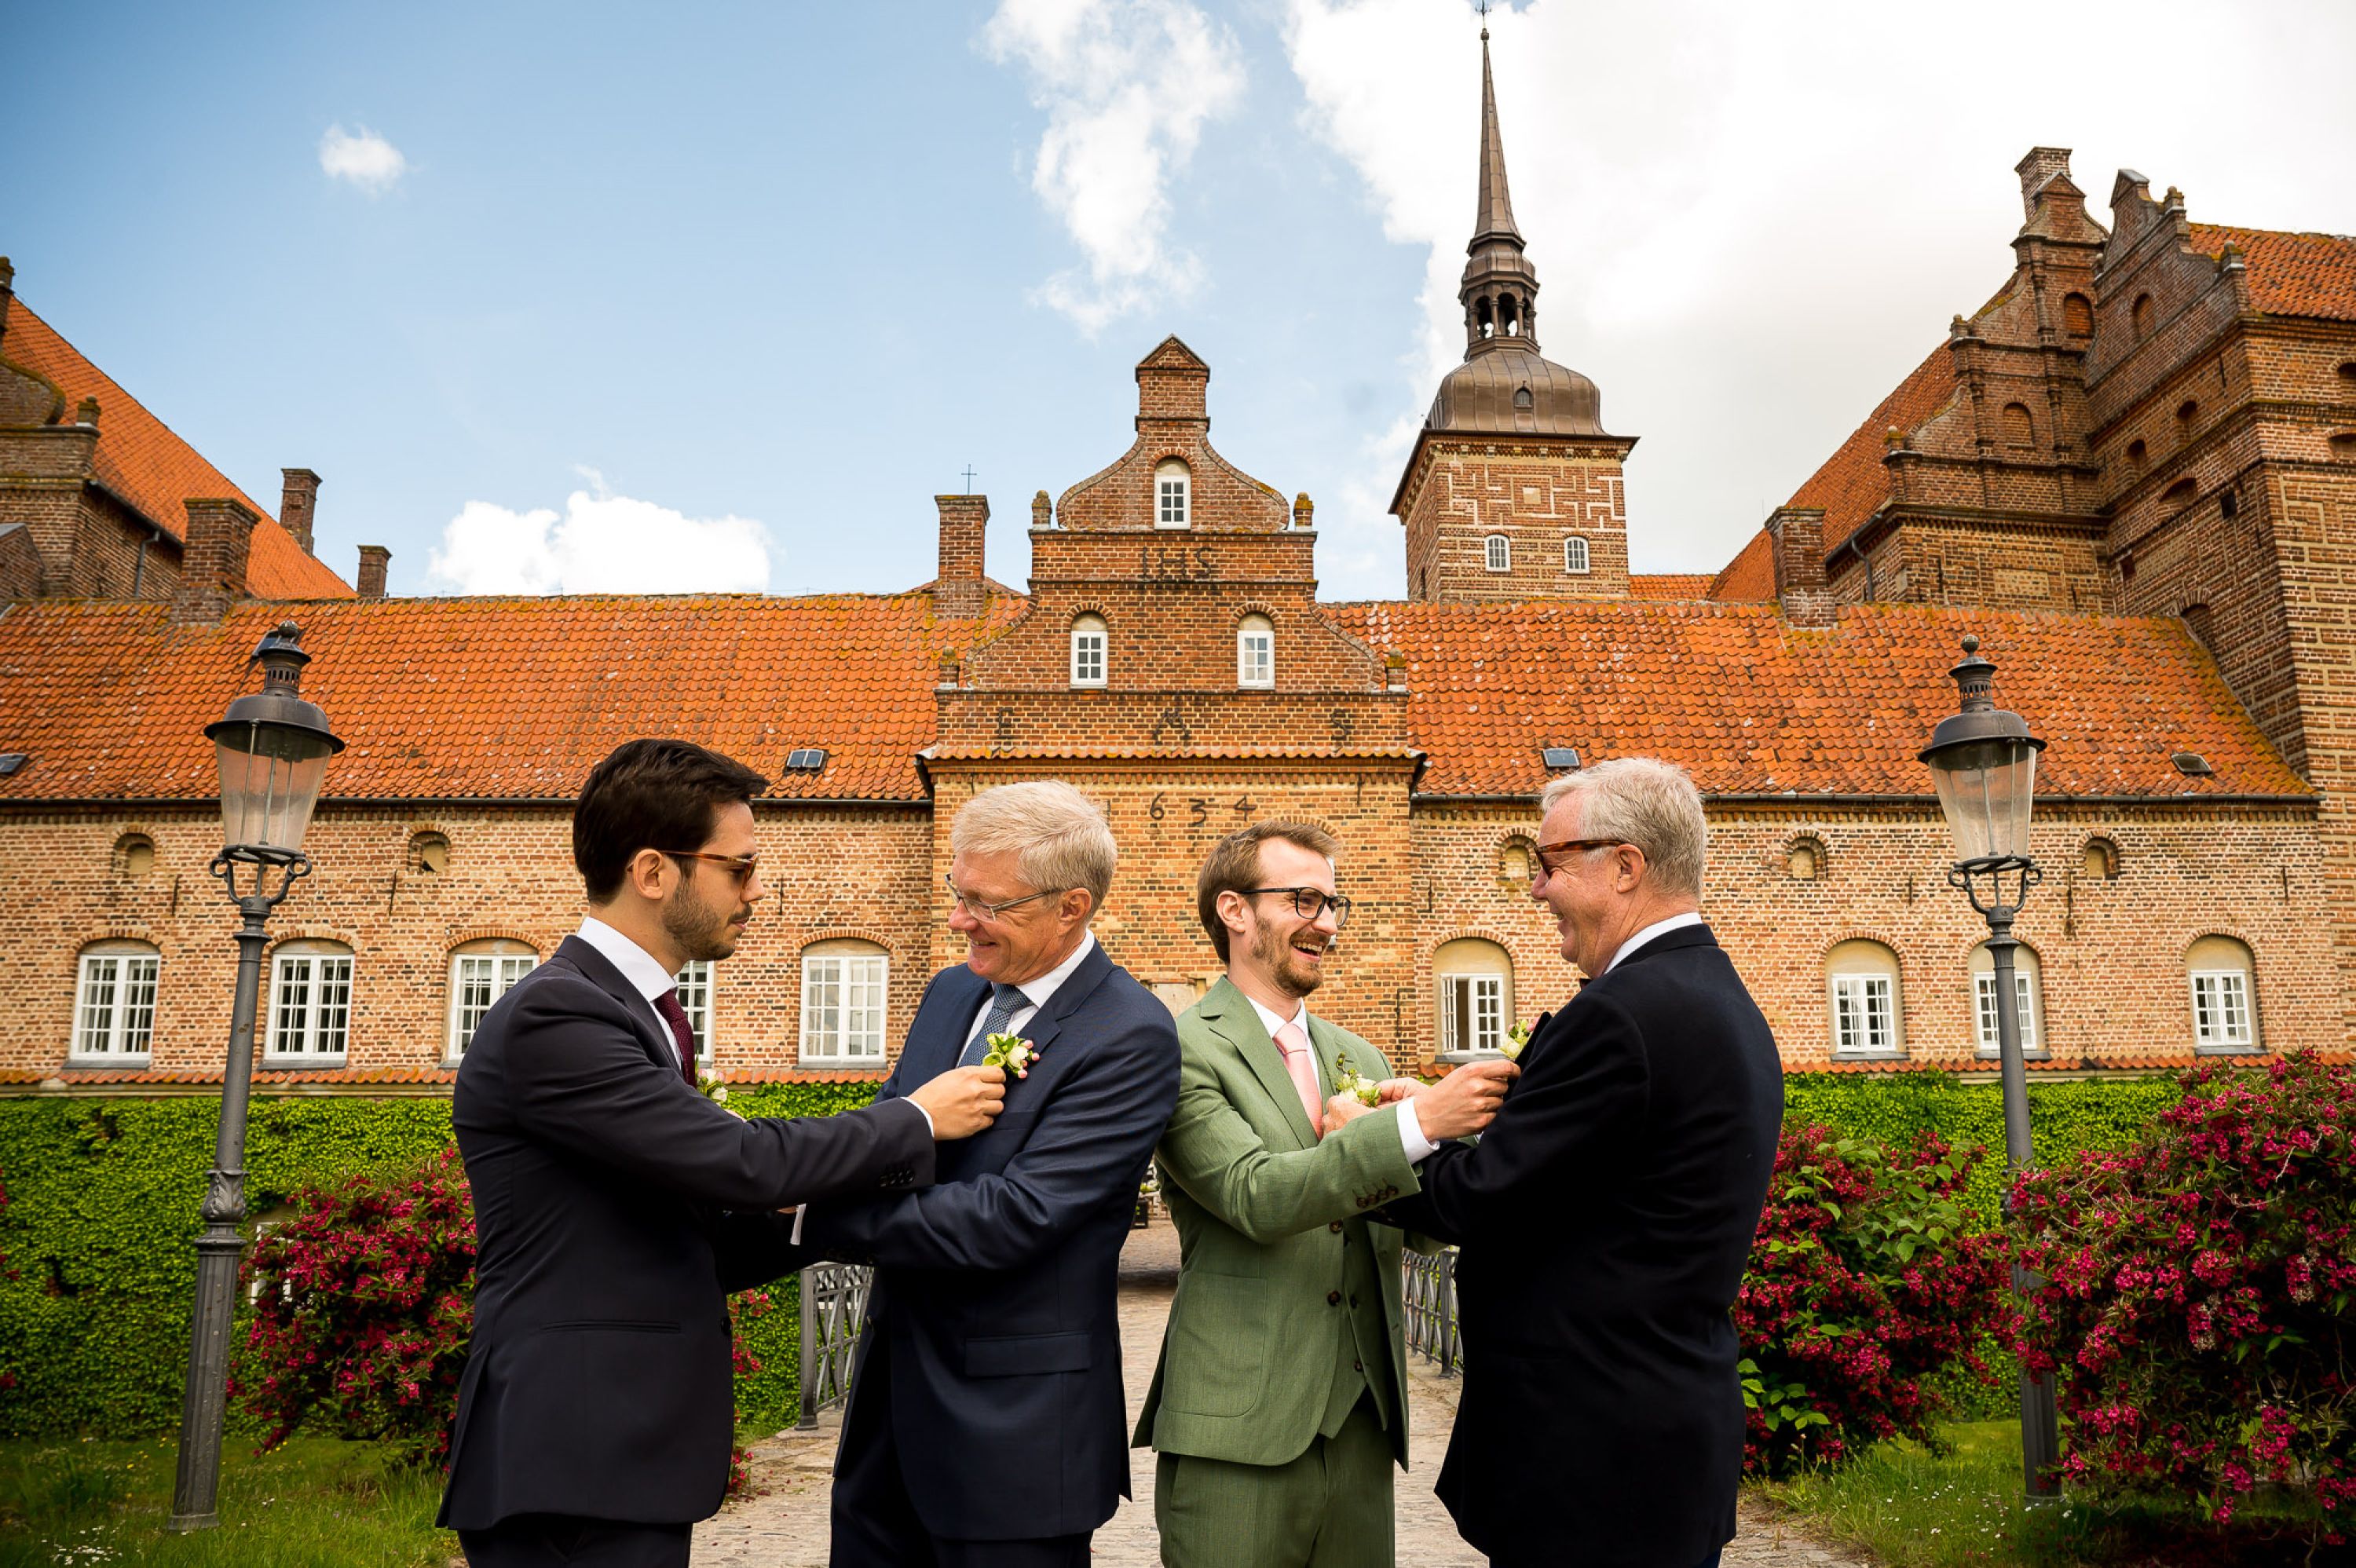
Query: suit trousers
[(1330, 1508), (558, 1540), (875, 1524)]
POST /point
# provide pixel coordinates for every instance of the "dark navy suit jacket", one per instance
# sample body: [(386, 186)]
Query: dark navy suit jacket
[(1606, 1216), (597, 1380), (995, 1289)]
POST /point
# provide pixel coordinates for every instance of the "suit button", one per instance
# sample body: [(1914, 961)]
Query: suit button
[(1332, 1299), (1336, 1227), (1357, 1366)]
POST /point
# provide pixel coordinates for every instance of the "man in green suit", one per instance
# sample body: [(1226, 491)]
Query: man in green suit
[(1280, 1402)]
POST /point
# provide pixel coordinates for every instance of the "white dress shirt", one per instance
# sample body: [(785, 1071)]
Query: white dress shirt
[(1658, 928), (1038, 991), (641, 968), (1411, 1139)]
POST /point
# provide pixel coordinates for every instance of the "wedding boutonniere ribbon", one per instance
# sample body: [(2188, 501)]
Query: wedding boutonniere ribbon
[(1010, 1051)]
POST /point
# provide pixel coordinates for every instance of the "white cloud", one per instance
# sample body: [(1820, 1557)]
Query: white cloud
[(1750, 223), (364, 158), (603, 544), (1127, 86)]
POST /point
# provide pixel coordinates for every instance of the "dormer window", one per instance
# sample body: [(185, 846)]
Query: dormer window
[(1255, 652), (1089, 651), (1574, 556), (1499, 550), (1173, 500)]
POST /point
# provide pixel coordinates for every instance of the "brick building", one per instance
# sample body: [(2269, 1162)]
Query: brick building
[(2132, 473)]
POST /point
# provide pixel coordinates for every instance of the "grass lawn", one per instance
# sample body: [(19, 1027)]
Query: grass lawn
[(1917, 1509), (316, 1503)]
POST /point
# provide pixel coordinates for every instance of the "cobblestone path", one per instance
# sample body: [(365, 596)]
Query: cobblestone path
[(783, 1525)]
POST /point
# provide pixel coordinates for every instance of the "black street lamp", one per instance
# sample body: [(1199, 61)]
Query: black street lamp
[(273, 749), (1984, 761)]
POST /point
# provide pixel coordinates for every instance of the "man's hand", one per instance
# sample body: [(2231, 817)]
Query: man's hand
[(1394, 1089), (1344, 1108), (963, 1101), (1465, 1101)]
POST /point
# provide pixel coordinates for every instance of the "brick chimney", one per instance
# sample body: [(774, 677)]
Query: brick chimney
[(1797, 536), (297, 504), (374, 559), (957, 592), (212, 559), (2041, 165)]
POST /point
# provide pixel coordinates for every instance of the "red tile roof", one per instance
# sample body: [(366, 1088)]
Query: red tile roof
[(1749, 705), (2291, 273), (488, 697), (140, 460), (1669, 585)]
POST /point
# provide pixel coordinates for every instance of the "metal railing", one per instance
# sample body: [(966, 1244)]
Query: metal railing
[(1429, 1282), (834, 1310)]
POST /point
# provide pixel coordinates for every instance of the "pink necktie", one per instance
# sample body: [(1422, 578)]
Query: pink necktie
[(1295, 1046)]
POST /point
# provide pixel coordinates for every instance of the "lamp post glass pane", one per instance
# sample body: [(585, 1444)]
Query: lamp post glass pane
[(1985, 789), (271, 777)]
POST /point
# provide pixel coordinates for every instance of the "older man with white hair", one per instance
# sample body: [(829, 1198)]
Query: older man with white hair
[(1606, 1215), (986, 1421)]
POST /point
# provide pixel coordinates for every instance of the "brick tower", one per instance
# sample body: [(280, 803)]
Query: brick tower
[(1514, 488)]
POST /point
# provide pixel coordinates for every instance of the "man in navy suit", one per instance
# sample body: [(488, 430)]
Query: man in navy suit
[(986, 1426), (615, 1206), (1607, 1213)]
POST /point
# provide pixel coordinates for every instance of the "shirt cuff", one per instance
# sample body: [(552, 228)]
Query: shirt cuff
[(795, 1240), (1417, 1147), (928, 1120)]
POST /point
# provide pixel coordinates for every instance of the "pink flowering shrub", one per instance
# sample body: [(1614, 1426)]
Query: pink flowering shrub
[(2196, 1287), (1865, 1282)]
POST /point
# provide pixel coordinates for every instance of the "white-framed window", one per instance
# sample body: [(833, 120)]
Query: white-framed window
[(114, 1004), (1861, 990), (2224, 1012), (1255, 652), (1474, 982), (695, 996), (2028, 986), (1173, 498), (844, 987), (1089, 651), (480, 974), (1574, 556), (1498, 552), (310, 1002)]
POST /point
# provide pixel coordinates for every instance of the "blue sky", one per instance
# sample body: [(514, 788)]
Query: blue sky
[(607, 298)]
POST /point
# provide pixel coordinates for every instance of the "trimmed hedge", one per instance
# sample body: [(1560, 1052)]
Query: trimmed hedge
[(103, 1195)]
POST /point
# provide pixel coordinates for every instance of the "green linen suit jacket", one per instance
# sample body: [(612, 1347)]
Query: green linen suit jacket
[(1266, 1212)]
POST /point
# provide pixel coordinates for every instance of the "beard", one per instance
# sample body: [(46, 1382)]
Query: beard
[(1274, 953), (700, 931)]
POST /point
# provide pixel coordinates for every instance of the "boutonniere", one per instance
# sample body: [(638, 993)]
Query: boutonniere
[(1010, 1051), (1516, 1038), (708, 1084), (1347, 1080)]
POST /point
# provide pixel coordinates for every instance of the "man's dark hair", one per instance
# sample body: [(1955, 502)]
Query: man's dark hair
[(651, 794), (1234, 865)]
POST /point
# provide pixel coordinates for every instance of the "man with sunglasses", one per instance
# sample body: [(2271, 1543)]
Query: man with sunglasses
[(1606, 1216), (1279, 1404), (615, 1206)]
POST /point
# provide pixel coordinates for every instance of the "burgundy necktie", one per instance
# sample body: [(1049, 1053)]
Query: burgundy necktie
[(682, 1030)]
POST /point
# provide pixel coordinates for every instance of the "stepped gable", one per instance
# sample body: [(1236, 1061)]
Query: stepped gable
[(485, 697), (1749, 706), (140, 460)]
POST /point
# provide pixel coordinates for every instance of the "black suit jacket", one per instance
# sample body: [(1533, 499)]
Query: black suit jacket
[(597, 1381), (995, 1291), (1605, 1218)]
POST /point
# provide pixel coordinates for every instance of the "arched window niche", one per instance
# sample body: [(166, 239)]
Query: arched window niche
[(2223, 977), (1090, 650), (1173, 494), (2028, 1002), (1862, 997), (1255, 653), (1473, 982)]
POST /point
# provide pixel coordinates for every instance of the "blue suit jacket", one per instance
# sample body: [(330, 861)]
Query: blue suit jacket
[(995, 1289)]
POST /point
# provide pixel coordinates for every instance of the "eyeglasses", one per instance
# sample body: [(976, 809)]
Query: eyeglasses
[(740, 867), (981, 910), (1543, 868), (1310, 903)]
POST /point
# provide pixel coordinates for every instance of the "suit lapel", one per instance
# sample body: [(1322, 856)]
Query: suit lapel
[(1231, 1016), (1328, 1046), (962, 994), (1077, 987), (654, 1035)]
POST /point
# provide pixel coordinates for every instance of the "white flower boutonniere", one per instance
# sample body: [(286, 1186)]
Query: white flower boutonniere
[(1516, 1038), (1347, 1080), (1010, 1051), (708, 1084)]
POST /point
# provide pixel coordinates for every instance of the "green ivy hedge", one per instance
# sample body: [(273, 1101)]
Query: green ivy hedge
[(103, 1193)]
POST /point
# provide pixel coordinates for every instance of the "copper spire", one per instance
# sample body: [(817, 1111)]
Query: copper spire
[(1495, 215)]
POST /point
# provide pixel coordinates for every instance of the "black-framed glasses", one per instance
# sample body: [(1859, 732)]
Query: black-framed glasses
[(1310, 903), (981, 910), (1543, 868), (740, 867)]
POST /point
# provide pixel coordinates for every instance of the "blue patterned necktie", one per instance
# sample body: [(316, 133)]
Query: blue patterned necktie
[(1005, 1001)]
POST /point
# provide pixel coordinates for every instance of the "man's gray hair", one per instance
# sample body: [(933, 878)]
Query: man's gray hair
[(1645, 802), (1061, 833)]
